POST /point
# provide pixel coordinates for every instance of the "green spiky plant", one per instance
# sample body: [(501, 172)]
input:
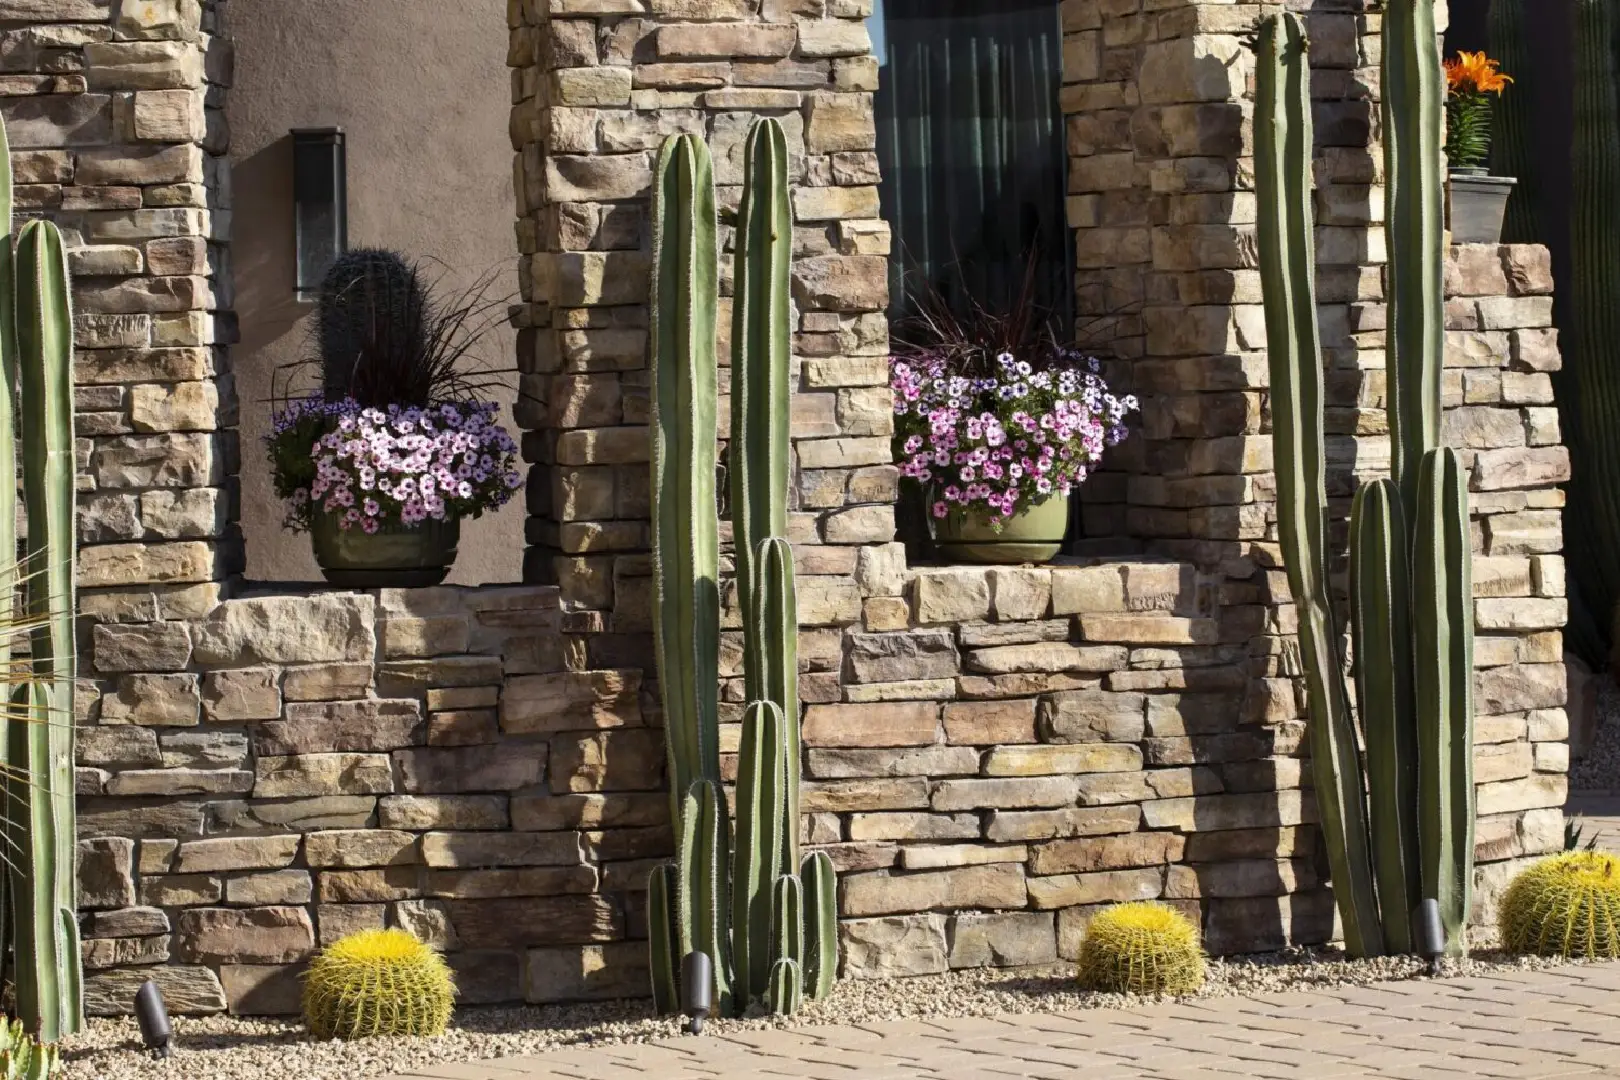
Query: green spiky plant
[(377, 982), (766, 919), (1401, 828), (23, 1057), (36, 357)]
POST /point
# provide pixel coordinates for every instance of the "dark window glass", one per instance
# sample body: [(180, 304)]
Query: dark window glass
[(970, 137)]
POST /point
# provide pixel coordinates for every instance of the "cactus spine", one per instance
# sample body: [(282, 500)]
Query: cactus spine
[(1591, 412), (751, 922), (36, 356), (1283, 140), (1412, 615), (1513, 128)]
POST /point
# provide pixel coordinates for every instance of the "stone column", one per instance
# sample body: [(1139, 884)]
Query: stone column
[(598, 85)]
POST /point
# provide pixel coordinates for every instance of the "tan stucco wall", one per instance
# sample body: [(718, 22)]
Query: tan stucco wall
[(422, 90)]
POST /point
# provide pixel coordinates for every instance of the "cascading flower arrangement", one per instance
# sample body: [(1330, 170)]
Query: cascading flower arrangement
[(989, 435), (399, 443), (374, 467), (1471, 78)]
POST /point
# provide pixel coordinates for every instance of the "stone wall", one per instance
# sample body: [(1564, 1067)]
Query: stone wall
[(990, 753)]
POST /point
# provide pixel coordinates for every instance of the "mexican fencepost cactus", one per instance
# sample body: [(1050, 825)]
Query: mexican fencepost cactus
[(1380, 611), (1513, 122), (1411, 591), (761, 806), (820, 924), (8, 492), (1591, 387), (705, 852), (1443, 636), (685, 402), (751, 921), (1413, 84), (663, 938), (1283, 137), (41, 812)]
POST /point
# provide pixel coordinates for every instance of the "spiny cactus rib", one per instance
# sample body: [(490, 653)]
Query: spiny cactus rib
[(1590, 409), (1380, 603), (785, 991), (1283, 143), (820, 924), (705, 891), (1443, 632), (663, 938), (48, 985), (1413, 127), (774, 631), (761, 777), (761, 337), (686, 545), (1513, 121)]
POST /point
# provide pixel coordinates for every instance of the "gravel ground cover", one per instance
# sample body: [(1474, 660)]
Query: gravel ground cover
[(228, 1048), (1599, 770)]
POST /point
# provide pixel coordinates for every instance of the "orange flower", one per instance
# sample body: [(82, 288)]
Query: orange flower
[(1475, 72)]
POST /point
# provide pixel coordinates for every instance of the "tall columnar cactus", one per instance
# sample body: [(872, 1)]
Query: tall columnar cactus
[(1413, 82), (686, 534), (36, 356), (1591, 410), (1513, 121), (1283, 141), (753, 921), (1411, 592)]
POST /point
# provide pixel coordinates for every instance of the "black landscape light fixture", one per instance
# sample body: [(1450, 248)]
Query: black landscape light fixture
[(156, 1031), (320, 204), (697, 990), (1430, 932)]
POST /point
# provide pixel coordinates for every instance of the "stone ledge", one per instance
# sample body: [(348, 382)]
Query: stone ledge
[(958, 594)]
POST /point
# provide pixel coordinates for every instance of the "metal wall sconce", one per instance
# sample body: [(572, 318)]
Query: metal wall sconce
[(320, 204)]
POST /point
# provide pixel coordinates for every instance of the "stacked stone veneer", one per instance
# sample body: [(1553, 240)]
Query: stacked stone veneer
[(990, 753)]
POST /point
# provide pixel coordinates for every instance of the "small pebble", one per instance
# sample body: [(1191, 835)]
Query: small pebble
[(235, 1048)]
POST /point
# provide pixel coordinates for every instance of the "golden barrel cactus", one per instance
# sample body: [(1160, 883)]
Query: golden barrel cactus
[(1142, 948), (377, 982), (1566, 905)]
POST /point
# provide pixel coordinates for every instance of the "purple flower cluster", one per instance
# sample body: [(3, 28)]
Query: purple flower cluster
[(993, 442), (403, 465)]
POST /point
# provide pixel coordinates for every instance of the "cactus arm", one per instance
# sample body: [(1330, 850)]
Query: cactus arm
[(785, 991), (49, 993), (705, 849), (820, 924), (1443, 632), (761, 776), (1283, 138), (787, 933), (686, 547), (1380, 600), (1413, 127), (1513, 121), (761, 335), (662, 936), (775, 634)]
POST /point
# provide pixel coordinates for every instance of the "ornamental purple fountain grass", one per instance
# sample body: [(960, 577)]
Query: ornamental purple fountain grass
[(375, 467), (993, 437)]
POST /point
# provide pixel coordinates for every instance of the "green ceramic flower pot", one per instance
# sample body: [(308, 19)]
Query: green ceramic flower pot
[(1034, 535), (393, 557)]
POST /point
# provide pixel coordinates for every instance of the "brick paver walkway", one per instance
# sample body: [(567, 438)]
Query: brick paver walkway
[(1524, 1024)]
